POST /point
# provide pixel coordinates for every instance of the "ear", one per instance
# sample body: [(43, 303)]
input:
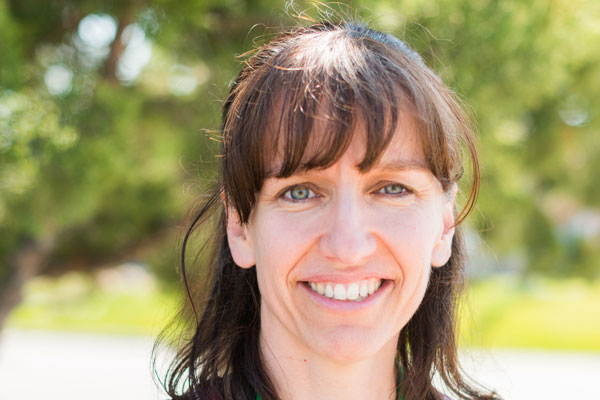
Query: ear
[(443, 247), (240, 244)]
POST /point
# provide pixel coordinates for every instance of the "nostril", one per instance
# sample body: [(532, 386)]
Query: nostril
[(349, 248)]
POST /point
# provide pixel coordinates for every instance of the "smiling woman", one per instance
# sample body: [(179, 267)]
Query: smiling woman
[(337, 261)]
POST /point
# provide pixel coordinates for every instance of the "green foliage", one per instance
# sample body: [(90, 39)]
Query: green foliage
[(526, 70), (102, 166)]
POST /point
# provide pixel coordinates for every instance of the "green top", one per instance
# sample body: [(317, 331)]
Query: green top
[(260, 398)]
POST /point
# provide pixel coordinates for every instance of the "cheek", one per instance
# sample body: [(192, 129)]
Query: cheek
[(282, 240), (410, 235)]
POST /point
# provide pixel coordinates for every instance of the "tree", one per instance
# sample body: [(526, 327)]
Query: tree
[(103, 102), (89, 151)]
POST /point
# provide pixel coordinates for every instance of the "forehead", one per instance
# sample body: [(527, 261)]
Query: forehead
[(405, 147)]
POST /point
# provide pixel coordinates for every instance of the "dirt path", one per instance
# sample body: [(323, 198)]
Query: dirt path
[(68, 366)]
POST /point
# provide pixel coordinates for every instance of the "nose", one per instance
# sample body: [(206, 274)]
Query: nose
[(347, 239)]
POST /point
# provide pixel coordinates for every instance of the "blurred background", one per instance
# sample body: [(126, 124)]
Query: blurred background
[(109, 112)]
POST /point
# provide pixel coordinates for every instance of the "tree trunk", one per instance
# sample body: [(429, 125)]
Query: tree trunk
[(118, 46), (28, 261)]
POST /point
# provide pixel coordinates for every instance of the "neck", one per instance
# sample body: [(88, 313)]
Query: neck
[(299, 373)]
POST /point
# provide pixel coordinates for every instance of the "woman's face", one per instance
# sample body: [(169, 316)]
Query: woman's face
[(343, 257)]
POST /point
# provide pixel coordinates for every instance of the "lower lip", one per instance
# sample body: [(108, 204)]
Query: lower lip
[(345, 305)]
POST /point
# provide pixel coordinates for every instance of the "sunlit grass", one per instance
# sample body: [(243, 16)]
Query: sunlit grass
[(500, 312), (538, 313), (76, 303)]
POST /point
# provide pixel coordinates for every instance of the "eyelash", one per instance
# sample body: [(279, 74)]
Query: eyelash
[(287, 193), (404, 190), (288, 196)]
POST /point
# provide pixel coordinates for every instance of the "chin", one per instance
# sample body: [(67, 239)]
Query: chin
[(350, 344)]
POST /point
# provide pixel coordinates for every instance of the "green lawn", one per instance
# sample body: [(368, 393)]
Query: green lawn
[(540, 313), (501, 312), (75, 303)]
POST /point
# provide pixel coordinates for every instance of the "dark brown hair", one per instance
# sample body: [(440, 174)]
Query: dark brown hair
[(336, 74)]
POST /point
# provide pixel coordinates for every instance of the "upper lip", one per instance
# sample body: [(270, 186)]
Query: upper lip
[(342, 278)]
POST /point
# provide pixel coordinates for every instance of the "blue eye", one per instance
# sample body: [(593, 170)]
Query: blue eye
[(393, 188), (300, 192)]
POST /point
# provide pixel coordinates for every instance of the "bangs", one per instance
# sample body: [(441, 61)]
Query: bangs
[(315, 95), (314, 126)]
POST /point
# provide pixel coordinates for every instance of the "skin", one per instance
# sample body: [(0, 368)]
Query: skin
[(393, 222)]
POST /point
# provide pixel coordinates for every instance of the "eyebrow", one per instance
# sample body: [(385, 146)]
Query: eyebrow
[(400, 164)]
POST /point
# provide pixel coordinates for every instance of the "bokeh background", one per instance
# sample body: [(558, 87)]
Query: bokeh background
[(109, 115)]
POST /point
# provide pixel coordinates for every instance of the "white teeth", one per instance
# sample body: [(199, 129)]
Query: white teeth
[(352, 292), (320, 288), (339, 292), (328, 291), (364, 290), (371, 287), (355, 291)]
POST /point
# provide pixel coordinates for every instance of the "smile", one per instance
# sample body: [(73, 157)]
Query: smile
[(353, 291)]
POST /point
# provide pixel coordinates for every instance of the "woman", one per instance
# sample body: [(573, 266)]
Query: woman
[(337, 261)]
